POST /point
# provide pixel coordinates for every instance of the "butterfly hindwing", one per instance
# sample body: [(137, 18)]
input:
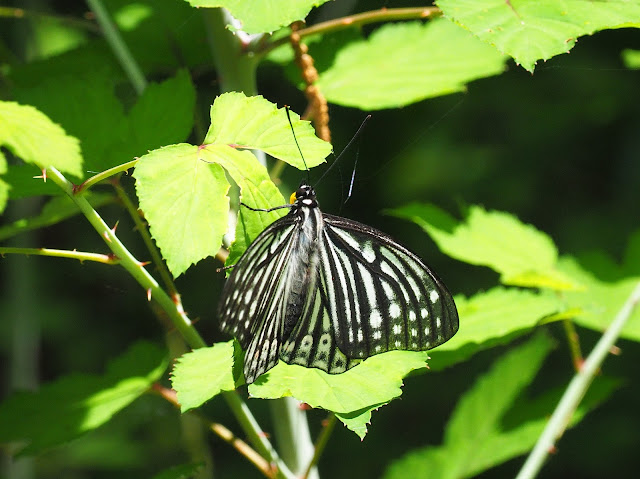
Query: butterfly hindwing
[(386, 297)]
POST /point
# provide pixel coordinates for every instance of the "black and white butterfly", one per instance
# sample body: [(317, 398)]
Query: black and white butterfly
[(327, 292)]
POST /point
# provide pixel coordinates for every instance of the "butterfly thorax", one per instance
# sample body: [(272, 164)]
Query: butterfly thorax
[(302, 266)]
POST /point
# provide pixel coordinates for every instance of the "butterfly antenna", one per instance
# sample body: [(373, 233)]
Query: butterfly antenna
[(345, 149), (353, 177), (286, 108)]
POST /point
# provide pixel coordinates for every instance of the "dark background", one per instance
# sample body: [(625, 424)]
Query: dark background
[(559, 149)]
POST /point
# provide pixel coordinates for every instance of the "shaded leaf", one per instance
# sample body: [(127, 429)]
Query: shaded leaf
[(79, 403), (183, 471), (475, 438), (596, 306)]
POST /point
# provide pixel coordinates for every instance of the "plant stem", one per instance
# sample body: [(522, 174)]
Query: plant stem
[(119, 47), (321, 443), (106, 174), (61, 253), (364, 18), (174, 312), (576, 390), (574, 343)]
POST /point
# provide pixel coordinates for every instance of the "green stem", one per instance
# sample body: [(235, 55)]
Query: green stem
[(360, 19), (104, 175), (174, 312), (61, 253), (321, 443), (236, 69), (119, 47), (574, 343), (149, 243), (576, 390)]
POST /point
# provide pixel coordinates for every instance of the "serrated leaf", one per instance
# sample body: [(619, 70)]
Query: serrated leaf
[(597, 305), (532, 30), (35, 138), (398, 65), (491, 318), (375, 381), (184, 200), (182, 188), (255, 123), (523, 255), (164, 113), (202, 374), (75, 404), (54, 211), (263, 17), (358, 421), (476, 438)]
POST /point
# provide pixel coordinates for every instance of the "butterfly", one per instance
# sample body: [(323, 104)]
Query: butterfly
[(326, 292)]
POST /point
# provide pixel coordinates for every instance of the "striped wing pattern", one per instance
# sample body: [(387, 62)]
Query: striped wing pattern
[(326, 292)]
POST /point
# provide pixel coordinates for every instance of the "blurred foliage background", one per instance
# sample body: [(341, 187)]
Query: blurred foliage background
[(559, 149)]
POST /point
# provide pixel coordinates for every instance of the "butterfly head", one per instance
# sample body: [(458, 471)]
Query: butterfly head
[(305, 195)]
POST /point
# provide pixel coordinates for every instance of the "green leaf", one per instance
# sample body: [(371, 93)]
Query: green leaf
[(492, 318), (182, 188), (597, 305), (263, 17), (184, 200), (56, 210), (163, 114), (475, 438), (352, 394), (202, 374), (255, 123), (358, 421), (532, 30), (4, 187), (521, 254), (32, 136), (398, 65), (78, 403)]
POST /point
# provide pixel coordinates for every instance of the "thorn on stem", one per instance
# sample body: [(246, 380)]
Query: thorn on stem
[(43, 176), (615, 350), (106, 236), (115, 227)]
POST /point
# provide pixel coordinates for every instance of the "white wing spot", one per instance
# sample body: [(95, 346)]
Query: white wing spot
[(397, 343), (360, 335), (397, 329), (414, 345), (438, 322), (412, 315), (424, 313), (427, 331), (388, 291), (375, 319), (433, 296), (377, 335), (414, 332), (350, 335), (246, 323), (368, 253), (378, 348), (394, 310), (235, 294)]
